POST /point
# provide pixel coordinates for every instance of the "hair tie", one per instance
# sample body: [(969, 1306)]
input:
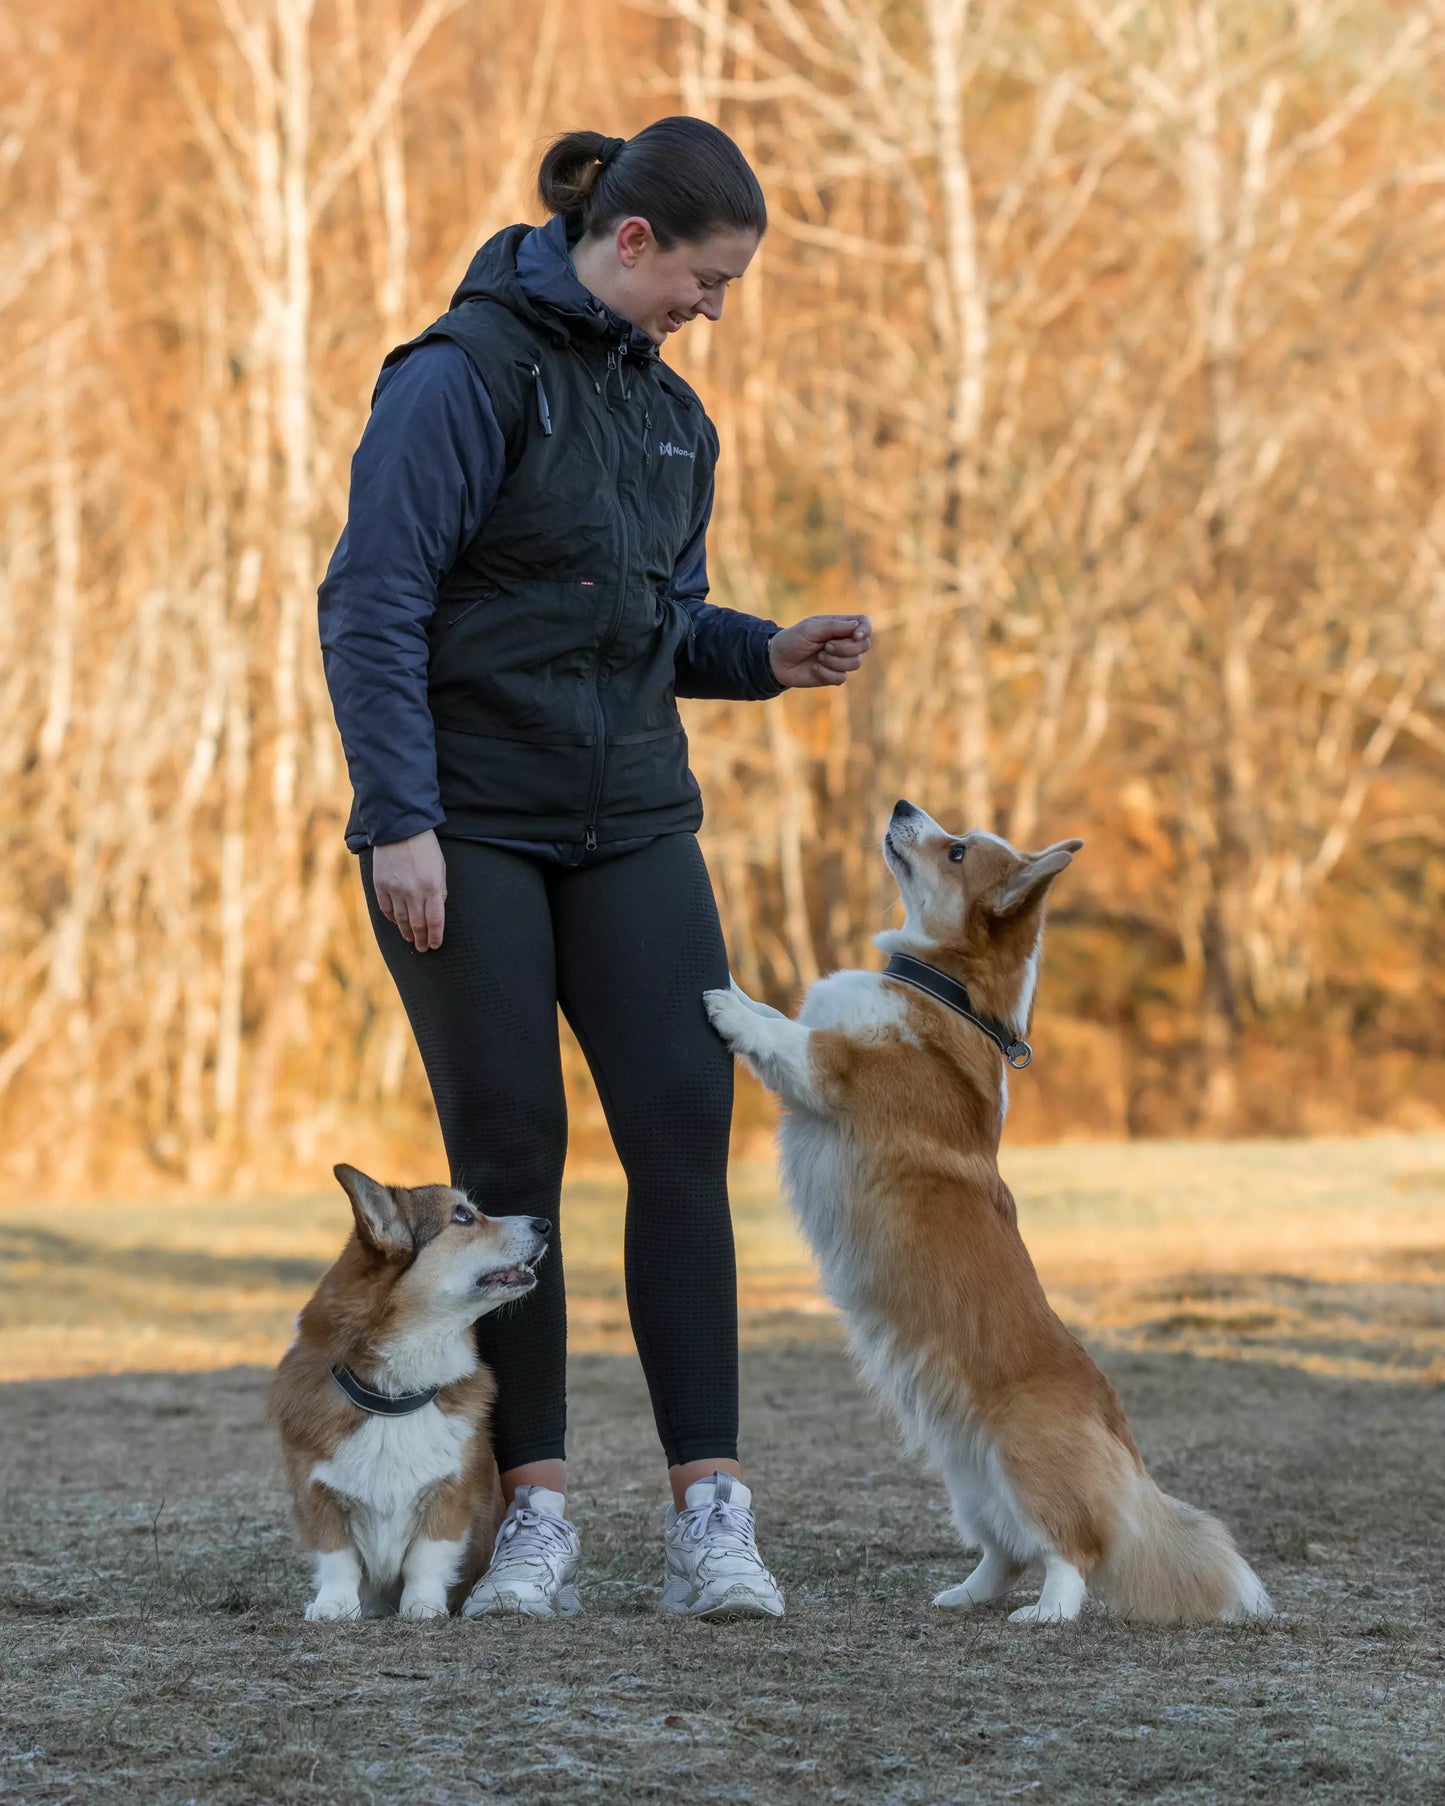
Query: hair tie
[(610, 148)]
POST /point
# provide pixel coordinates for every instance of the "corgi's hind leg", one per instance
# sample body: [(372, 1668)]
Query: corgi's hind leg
[(1061, 1599), (994, 1576), (975, 1514)]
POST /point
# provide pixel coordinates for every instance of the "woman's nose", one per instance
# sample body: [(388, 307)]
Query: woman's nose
[(711, 306)]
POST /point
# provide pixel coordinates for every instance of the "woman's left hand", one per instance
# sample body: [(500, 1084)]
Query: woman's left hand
[(821, 650)]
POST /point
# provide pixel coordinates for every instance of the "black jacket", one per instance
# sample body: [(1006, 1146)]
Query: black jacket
[(559, 610)]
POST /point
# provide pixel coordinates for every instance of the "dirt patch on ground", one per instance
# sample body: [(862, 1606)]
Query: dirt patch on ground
[(152, 1647)]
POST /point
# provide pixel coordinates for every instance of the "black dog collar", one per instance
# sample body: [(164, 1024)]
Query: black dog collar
[(381, 1404), (923, 977)]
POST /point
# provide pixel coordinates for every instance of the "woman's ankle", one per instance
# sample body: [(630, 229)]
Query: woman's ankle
[(549, 1474), (687, 1472)]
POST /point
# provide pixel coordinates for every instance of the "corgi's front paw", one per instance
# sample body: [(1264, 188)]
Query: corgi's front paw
[(327, 1607), (1040, 1612), (421, 1603), (758, 1009), (729, 1014)]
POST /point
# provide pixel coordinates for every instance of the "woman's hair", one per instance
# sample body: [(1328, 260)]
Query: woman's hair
[(683, 176)]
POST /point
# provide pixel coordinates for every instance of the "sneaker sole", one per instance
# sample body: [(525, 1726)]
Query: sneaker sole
[(724, 1614), (746, 1605), (566, 1606)]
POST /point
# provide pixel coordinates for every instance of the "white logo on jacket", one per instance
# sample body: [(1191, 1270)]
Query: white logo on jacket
[(669, 450)]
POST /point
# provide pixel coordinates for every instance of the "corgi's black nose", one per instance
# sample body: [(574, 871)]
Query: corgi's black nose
[(903, 807), (541, 1225)]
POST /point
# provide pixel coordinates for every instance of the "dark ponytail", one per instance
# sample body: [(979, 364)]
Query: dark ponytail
[(683, 176)]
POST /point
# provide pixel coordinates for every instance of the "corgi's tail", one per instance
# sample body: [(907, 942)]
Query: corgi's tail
[(1174, 1564)]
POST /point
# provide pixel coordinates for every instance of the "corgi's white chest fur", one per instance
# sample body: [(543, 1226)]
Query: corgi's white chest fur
[(385, 1471), (818, 1155)]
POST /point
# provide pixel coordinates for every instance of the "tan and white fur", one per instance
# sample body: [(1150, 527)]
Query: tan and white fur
[(893, 1107), (399, 1513)]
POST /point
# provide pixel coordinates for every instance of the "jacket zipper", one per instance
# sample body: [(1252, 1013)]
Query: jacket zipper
[(544, 411), (604, 645)]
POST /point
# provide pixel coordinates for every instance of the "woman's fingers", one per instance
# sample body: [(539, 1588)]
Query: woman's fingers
[(410, 880), (411, 917), (421, 918), (838, 626), (435, 914), (393, 905)]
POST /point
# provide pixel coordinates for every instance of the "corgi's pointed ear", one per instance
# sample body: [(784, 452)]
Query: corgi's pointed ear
[(1034, 876), (379, 1221)]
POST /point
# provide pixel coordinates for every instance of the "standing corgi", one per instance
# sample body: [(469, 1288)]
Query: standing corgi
[(383, 1407), (895, 1087)]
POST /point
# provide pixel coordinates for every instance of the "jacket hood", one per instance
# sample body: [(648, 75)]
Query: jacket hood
[(529, 270)]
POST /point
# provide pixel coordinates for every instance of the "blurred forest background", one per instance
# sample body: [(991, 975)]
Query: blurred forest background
[(1095, 350)]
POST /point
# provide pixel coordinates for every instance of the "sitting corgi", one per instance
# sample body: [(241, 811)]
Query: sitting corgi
[(383, 1407), (895, 1087)]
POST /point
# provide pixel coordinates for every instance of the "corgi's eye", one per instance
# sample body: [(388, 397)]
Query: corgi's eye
[(462, 1215), (957, 851)]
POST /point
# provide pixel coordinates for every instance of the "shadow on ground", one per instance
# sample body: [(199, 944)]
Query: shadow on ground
[(94, 1265)]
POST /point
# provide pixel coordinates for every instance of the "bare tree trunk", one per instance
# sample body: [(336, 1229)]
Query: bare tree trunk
[(967, 352)]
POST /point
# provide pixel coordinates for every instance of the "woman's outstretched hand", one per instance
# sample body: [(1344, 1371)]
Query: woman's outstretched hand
[(410, 881), (821, 650)]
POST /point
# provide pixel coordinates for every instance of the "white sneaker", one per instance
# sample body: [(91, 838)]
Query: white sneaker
[(712, 1568), (533, 1570)]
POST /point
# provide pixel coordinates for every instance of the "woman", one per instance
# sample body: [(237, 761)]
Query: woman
[(515, 603)]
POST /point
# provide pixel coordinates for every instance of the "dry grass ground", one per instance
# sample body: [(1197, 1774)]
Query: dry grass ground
[(151, 1641)]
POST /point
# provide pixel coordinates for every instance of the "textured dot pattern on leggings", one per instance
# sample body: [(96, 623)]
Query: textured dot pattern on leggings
[(627, 947)]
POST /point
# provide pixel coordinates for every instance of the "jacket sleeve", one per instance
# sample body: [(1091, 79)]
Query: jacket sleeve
[(423, 480), (725, 653)]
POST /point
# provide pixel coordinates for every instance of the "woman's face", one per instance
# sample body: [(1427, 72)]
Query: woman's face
[(660, 291)]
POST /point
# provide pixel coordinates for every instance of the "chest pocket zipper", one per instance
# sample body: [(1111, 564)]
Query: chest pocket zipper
[(544, 411)]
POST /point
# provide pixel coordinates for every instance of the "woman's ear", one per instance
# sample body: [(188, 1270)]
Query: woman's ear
[(633, 237), (1033, 877), (379, 1221)]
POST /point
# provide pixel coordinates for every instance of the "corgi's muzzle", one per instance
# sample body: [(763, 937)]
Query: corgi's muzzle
[(902, 831), (519, 1276)]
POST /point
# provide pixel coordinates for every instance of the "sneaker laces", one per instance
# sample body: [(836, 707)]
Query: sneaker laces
[(527, 1532), (730, 1526)]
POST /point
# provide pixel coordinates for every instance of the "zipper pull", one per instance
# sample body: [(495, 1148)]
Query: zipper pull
[(646, 439), (544, 413), (591, 841)]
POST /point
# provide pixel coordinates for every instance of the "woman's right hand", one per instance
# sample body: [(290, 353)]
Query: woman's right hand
[(410, 881)]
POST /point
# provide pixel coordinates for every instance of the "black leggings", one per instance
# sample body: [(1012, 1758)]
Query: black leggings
[(627, 948)]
